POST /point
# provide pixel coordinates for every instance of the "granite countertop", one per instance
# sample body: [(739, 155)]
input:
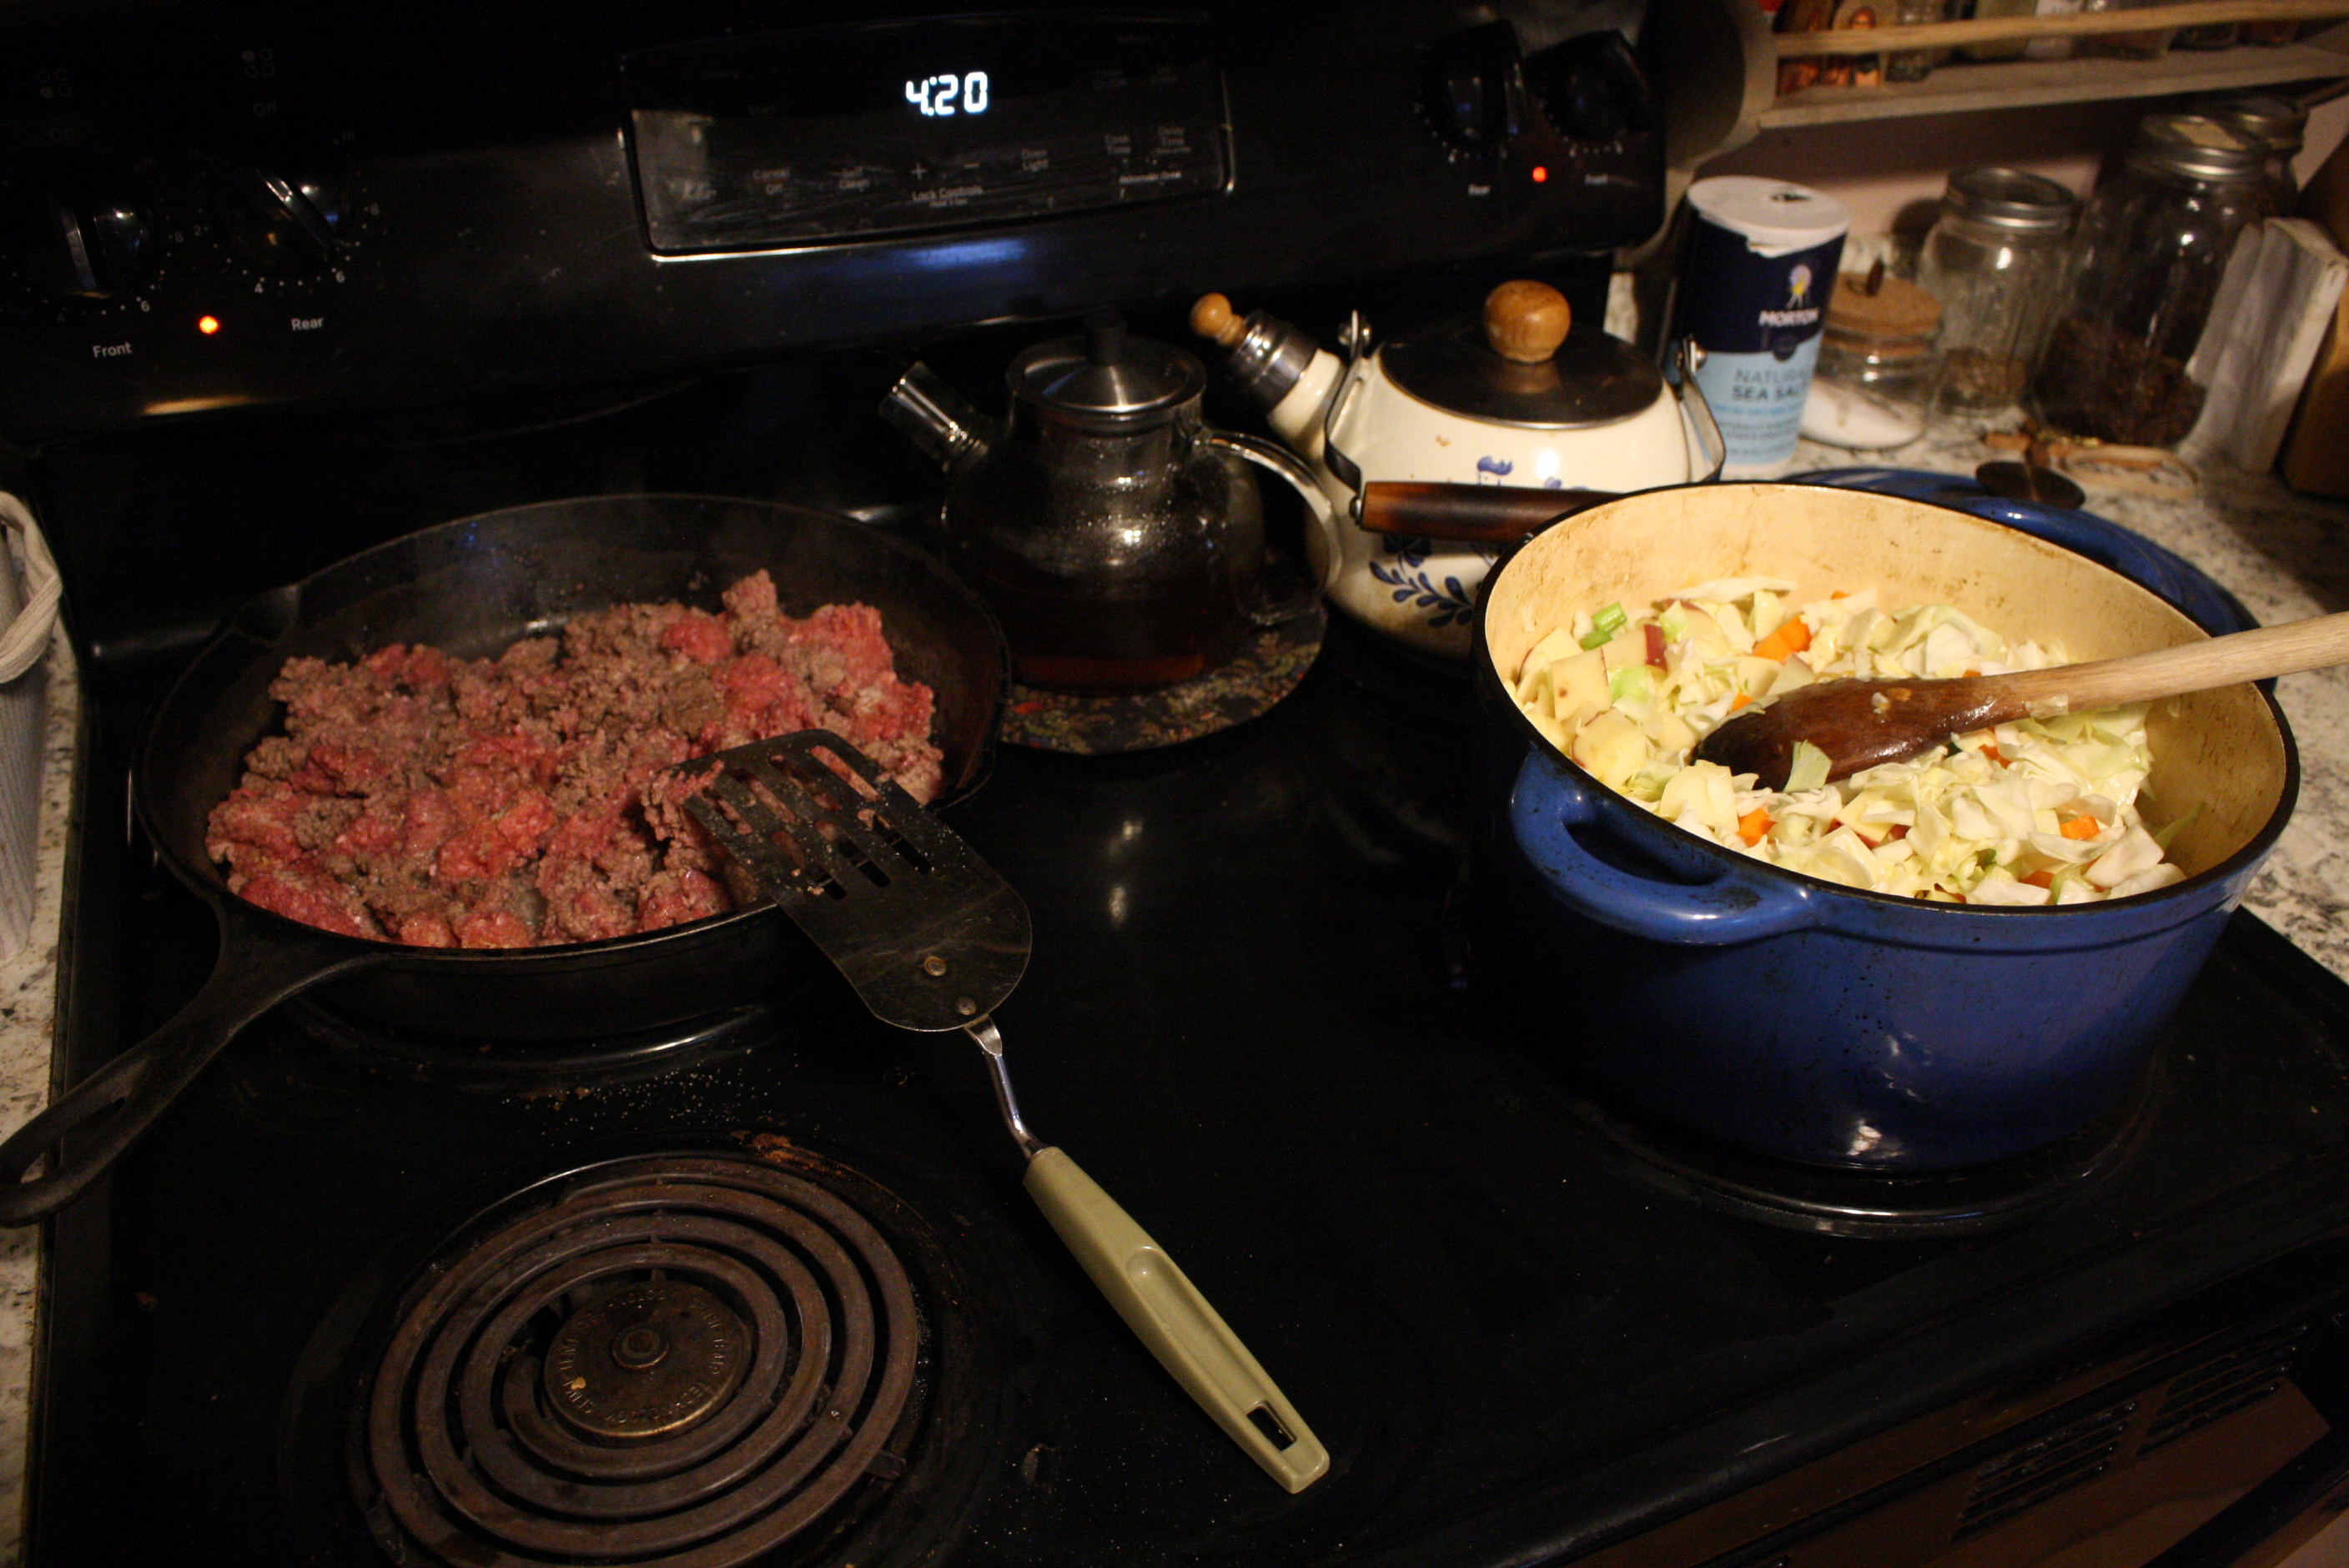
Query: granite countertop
[(2285, 556), (27, 990)]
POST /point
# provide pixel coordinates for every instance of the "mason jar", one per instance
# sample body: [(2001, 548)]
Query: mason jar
[(1994, 261), (2146, 261), (1876, 364), (2279, 124)]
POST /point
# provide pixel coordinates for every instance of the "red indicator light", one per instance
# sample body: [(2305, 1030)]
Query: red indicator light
[(208, 324), (1541, 174)]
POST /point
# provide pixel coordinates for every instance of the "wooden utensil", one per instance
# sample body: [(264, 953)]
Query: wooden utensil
[(1862, 723)]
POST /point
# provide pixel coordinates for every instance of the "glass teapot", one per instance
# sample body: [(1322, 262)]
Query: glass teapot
[(1104, 522)]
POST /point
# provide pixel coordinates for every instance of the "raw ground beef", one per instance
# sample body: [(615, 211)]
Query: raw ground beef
[(420, 798)]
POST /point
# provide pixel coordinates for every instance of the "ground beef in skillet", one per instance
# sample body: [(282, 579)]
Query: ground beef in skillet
[(420, 798)]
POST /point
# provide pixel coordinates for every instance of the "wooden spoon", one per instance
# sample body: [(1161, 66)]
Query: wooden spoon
[(1862, 723)]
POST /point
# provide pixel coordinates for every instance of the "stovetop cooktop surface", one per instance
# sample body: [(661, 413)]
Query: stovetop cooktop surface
[(1253, 1016)]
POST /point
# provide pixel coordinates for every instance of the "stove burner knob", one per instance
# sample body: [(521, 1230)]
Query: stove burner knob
[(77, 241), (1592, 90), (282, 225), (1473, 89)]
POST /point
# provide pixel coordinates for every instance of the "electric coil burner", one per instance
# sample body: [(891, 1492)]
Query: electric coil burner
[(460, 1058), (1870, 1205), (674, 1359)]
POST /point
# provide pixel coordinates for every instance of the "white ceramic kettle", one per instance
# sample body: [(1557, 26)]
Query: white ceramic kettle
[(1509, 398)]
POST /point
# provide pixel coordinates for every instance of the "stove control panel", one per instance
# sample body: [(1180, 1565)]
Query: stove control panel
[(299, 206), (846, 133)]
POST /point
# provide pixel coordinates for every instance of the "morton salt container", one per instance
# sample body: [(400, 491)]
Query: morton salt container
[(1755, 279)]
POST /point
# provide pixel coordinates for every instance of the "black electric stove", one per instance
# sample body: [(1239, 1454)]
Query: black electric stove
[(1527, 1327), (764, 1288)]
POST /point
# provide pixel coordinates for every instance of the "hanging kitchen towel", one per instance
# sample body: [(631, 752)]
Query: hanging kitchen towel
[(2272, 308), (29, 593)]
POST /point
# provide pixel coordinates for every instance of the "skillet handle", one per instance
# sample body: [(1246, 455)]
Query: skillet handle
[(108, 1112)]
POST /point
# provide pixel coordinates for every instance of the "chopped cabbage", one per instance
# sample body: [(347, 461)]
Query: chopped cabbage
[(2038, 813)]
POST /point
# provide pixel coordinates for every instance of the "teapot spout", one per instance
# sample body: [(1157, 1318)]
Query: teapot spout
[(1264, 355), (1276, 366), (937, 419)]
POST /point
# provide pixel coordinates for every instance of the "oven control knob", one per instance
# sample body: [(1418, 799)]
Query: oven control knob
[(1593, 92), (75, 240), (1473, 89), (282, 225)]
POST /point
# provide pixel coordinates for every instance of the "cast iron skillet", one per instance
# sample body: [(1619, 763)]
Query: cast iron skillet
[(471, 588)]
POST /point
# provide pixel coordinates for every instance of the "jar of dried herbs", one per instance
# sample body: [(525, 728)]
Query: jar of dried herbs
[(1994, 259), (2146, 261)]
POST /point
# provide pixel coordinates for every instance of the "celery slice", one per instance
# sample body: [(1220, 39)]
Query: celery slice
[(1807, 770)]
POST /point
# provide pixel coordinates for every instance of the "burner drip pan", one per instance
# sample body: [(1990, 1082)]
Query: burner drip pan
[(1871, 1206), (469, 1062), (675, 1360)]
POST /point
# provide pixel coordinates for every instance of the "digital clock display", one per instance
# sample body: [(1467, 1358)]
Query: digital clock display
[(949, 94), (899, 126)]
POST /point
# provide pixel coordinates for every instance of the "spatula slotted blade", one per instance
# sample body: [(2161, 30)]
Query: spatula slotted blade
[(929, 933)]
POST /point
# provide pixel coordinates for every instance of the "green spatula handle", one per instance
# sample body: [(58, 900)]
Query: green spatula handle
[(1165, 1310)]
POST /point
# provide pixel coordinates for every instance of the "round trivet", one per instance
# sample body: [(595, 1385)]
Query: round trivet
[(1269, 665)]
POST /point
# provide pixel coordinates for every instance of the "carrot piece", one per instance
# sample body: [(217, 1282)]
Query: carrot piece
[(1753, 825), (1740, 700), (2039, 879), (1791, 637), (2081, 827)]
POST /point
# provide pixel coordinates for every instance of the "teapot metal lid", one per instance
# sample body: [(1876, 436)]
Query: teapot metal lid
[(1106, 379), (1519, 365)]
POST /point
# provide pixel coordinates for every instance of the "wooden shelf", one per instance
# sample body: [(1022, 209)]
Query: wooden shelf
[(1962, 86)]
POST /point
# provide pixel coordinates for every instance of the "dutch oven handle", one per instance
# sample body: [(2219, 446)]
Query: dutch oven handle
[(1698, 902), (108, 1112)]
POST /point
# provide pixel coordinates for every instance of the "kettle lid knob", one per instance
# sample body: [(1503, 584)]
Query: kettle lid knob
[(1104, 338), (1526, 321)]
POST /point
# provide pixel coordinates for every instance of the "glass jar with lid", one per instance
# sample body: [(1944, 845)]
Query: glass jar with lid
[(2280, 125), (1995, 260), (2146, 261), (1875, 363)]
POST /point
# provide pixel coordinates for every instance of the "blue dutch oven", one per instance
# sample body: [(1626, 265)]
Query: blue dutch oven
[(1814, 1022)]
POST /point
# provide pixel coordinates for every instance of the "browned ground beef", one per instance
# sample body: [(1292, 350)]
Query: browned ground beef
[(419, 799)]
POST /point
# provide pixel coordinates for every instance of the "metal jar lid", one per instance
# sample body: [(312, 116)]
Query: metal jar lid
[(1106, 379), (1509, 367), (2196, 146), (2277, 123), (2011, 200)]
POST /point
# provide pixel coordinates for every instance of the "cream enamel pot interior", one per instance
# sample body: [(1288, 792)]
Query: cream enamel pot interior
[(1509, 396), (1810, 1021)]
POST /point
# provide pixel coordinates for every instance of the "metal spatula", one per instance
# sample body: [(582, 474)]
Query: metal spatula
[(933, 939)]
